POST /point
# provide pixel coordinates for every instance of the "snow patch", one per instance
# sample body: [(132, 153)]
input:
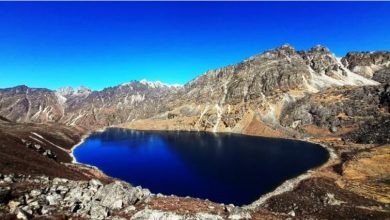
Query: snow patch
[(159, 84), (154, 84)]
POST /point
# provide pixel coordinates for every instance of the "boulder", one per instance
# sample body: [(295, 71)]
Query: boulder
[(53, 199), (333, 129), (94, 184), (21, 214), (37, 147), (118, 194), (13, 205), (35, 192), (237, 213), (98, 212)]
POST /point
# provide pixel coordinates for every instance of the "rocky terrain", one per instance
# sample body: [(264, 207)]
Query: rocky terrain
[(342, 103)]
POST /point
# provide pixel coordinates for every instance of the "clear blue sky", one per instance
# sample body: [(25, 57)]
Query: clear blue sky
[(101, 44)]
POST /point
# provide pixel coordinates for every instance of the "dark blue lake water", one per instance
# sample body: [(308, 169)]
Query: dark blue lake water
[(225, 168)]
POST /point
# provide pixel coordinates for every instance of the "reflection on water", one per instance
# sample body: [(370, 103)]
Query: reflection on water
[(227, 168)]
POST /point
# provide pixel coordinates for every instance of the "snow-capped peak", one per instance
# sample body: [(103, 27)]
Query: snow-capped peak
[(154, 84), (69, 91), (158, 84)]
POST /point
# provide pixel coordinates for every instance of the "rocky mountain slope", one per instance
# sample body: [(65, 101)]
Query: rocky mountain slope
[(367, 64), (342, 103), (262, 83), (83, 107), (249, 97)]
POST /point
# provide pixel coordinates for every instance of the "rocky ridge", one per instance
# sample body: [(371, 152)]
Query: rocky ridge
[(266, 81)]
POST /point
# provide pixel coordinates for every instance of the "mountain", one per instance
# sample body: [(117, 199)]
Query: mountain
[(312, 95), (250, 97), (218, 99), (82, 106), (24, 104)]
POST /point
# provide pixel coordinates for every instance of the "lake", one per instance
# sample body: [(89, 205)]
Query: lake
[(224, 168)]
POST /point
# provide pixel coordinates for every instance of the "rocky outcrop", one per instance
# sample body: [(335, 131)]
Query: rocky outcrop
[(382, 76), (88, 199), (38, 148), (27, 197), (367, 64), (337, 108), (322, 61)]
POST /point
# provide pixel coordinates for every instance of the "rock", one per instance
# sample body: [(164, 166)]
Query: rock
[(57, 181), (129, 209), (49, 154), (118, 218), (205, 216), (4, 193), (47, 210), (34, 205), (239, 213), (37, 147), (161, 215), (118, 194), (61, 189), (333, 129), (8, 179), (74, 208), (171, 115), (155, 214), (79, 193), (12, 205), (229, 208), (331, 200), (53, 199), (98, 212), (95, 182), (159, 195), (21, 214), (27, 209), (292, 213), (35, 192)]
